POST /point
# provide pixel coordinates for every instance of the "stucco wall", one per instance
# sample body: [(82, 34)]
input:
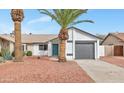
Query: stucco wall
[(30, 47), (101, 50), (111, 40), (37, 52), (83, 36), (109, 43), (50, 48), (4, 44), (75, 35), (70, 43)]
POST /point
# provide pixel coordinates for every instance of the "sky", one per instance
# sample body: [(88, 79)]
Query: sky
[(106, 21)]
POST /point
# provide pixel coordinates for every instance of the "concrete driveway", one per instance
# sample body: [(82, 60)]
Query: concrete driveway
[(102, 72)]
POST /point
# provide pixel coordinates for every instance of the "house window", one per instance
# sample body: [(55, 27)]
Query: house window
[(43, 47)]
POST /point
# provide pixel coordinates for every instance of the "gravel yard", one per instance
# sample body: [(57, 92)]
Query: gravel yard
[(44, 70), (116, 60)]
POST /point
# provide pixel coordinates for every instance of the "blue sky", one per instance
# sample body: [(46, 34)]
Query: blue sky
[(105, 21)]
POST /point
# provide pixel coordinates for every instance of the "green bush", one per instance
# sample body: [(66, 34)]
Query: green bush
[(29, 53), (24, 53), (6, 54)]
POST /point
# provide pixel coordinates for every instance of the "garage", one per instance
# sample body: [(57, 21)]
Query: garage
[(84, 50)]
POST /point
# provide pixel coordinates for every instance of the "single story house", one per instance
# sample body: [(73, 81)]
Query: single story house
[(80, 45), (114, 44)]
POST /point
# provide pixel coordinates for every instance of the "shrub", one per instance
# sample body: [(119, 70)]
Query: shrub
[(0, 54), (13, 54), (2, 60), (29, 53), (24, 53), (6, 54)]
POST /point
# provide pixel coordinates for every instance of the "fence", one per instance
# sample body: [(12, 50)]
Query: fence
[(106, 50)]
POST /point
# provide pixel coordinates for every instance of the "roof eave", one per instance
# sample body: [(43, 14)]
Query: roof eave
[(84, 32)]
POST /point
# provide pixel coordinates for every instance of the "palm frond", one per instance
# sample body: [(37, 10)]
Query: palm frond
[(66, 17), (82, 21), (50, 14)]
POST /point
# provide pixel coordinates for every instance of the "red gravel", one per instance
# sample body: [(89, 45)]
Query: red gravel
[(43, 70), (119, 61)]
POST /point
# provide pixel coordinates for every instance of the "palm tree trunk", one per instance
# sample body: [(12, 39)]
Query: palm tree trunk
[(62, 57), (63, 36), (18, 46)]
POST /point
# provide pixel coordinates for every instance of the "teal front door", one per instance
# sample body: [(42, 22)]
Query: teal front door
[(55, 50)]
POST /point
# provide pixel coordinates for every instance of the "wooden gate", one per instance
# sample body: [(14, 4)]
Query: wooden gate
[(118, 50)]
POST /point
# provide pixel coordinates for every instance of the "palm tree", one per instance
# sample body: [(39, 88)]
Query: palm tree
[(65, 18), (17, 16)]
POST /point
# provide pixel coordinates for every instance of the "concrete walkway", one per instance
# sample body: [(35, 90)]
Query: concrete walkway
[(101, 71)]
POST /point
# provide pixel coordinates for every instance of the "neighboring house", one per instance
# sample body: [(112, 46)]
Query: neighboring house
[(80, 45), (6, 42), (114, 44)]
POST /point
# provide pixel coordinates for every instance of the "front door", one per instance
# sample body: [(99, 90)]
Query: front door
[(55, 50)]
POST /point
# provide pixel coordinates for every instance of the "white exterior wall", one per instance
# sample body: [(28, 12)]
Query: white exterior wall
[(35, 49), (70, 44), (79, 36), (69, 50), (37, 52), (49, 48), (101, 51), (97, 52)]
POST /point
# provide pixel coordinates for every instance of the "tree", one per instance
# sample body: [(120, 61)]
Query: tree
[(17, 16), (65, 18)]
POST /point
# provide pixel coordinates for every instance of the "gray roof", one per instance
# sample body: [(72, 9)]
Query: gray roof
[(33, 38), (39, 38)]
